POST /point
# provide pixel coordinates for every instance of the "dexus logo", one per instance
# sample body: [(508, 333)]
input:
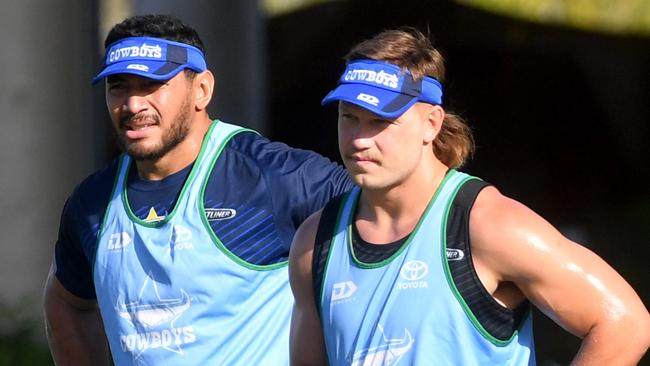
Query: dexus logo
[(343, 290), (138, 67), (413, 271), (370, 99), (118, 241)]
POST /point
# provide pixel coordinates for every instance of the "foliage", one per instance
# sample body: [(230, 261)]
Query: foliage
[(620, 16), (19, 337)]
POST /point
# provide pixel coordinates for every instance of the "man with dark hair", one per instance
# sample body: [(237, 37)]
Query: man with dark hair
[(176, 252), (422, 264)]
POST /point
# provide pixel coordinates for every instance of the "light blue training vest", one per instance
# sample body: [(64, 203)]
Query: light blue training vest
[(406, 310), (170, 293)]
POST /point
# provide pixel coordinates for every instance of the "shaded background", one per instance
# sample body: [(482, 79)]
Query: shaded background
[(556, 92)]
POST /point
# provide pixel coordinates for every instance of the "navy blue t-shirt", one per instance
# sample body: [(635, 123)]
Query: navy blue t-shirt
[(257, 195)]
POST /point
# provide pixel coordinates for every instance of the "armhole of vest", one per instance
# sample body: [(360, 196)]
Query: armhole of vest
[(458, 238), (216, 241), (322, 243)]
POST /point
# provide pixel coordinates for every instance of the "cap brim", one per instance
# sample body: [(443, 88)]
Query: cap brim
[(157, 70), (382, 102)]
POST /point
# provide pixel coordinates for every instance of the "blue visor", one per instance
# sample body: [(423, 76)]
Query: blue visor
[(153, 58), (383, 88)]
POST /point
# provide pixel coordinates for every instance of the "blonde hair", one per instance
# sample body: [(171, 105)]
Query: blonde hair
[(410, 49)]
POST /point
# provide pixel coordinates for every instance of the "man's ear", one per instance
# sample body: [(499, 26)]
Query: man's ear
[(203, 86), (434, 116)]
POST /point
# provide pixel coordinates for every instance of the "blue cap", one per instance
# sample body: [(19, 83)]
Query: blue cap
[(153, 58), (383, 88)]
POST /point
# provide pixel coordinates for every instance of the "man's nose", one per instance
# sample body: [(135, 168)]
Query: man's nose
[(135, 103), (362, 135)]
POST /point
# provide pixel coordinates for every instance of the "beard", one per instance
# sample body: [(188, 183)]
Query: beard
[(171, 136)]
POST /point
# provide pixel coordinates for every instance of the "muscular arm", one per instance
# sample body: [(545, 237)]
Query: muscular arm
[(74, 327), (566, 281), (307, 345)]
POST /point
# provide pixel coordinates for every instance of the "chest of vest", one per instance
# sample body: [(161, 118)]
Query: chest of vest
[(170, 293), (405, 309)]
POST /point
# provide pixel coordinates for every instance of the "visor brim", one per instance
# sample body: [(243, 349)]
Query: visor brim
[(145, 68), (384, 103)]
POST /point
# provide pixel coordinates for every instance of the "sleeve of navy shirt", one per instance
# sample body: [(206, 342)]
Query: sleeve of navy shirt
[(80, 221), (298, 182), (272, 187)]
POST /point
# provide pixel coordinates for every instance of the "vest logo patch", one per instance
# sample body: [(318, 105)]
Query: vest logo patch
[(413, 272), (156, 315), (181, 239), (214, 214), (118, 241), (454, 254), (343, 291), (153, 216), (389, 351)]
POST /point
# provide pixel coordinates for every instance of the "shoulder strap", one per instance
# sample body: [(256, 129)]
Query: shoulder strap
[(468, 192), (322, 244), (498, 321)]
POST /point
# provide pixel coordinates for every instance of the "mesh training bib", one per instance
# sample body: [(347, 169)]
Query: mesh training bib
[(405, 310), (171, 294)]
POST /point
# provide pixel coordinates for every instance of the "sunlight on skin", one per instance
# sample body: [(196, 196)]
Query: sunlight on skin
[(536, 241), (614, 305)]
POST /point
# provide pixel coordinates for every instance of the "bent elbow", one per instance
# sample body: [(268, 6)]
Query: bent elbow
[(645, 334), (638, 334)]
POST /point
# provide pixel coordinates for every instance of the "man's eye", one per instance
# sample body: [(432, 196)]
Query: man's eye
[(115, 86), (156, 83)]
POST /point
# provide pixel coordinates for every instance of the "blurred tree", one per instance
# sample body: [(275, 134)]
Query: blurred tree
[(621, 16)]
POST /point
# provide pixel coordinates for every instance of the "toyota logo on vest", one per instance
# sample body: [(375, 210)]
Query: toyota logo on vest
[(414, 270)]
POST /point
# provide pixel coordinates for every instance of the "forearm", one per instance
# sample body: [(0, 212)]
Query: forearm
[(77, 339), (74, 328), (306, 344), (613, 346)]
